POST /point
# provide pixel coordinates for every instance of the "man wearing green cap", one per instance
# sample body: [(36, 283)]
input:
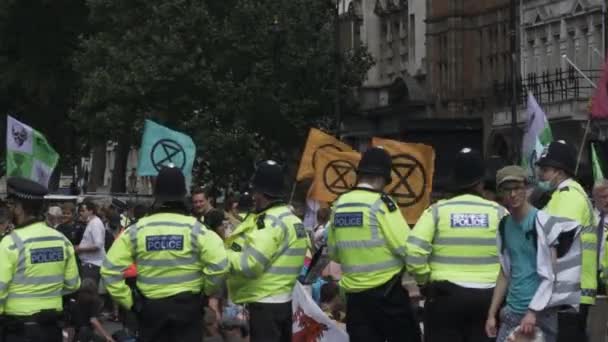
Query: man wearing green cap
[(529, 244)]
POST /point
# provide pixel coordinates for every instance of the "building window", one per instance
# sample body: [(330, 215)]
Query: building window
[(412, 35)]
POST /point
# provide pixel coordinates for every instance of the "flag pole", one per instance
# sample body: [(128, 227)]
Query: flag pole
[(588, 125), (293, 191)]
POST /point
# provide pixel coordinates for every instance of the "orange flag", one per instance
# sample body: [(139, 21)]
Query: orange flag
[(335, 173), (413, 168), (317, 141)]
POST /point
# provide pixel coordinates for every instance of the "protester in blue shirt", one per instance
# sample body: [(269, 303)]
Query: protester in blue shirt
[(521, 282)]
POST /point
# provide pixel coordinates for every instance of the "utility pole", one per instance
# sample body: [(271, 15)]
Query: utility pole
[(514, 71), (338, 66)]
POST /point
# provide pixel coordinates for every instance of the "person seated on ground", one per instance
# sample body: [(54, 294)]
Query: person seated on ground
[(331, 302), (86, 311)]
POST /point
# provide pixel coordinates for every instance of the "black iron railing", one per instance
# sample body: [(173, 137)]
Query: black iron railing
[(548, 87)]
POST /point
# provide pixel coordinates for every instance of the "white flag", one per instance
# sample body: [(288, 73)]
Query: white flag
[(537, 135), (310, 323), (310, 216)]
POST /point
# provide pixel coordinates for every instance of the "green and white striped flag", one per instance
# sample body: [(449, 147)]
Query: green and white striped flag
[(28, 154), (598, 174), (537, 135)]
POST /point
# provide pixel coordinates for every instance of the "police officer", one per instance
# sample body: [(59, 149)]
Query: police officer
[(177, 259), (453, 256), (37, 266), (569, 200), (367, 235), (266, 253)]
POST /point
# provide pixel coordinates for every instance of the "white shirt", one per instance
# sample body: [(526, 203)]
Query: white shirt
[(94, 235)]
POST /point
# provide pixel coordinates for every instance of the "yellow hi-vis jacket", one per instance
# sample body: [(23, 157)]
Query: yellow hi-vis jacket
[(174, 253), (570, 201), (367, 235), (37, 267), (455, 240), (266, 254)]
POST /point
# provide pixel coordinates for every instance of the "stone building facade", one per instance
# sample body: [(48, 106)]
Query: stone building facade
[(553, 32)]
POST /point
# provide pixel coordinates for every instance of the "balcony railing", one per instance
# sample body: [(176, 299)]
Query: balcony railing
[(548, 87)]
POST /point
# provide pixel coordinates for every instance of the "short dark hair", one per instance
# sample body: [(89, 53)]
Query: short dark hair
[(201, 190), (323, 214), (90, 205), (214, 219), (68, 206)]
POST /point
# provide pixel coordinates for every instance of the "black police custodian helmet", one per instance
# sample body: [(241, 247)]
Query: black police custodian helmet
[(559, 155), (376, 162), (170, 185), (468, 169), (24, 189), (268, 179)]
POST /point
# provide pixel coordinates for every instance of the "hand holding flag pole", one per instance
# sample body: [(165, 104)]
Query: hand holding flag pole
[(588, 125)]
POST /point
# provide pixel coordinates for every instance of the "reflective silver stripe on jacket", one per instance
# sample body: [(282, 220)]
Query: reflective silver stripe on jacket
[(417, 260), (418, 242), (458, 260), (169, 280), (464, 241), (167, 262), (372, 267), (40, 280), (353, 205), (284, 270), (56, 293), (219, 266), (257, 255), (71, 282), (38, 239)]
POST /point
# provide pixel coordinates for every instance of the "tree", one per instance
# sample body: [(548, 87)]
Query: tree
[(37, 41), (245, 78)]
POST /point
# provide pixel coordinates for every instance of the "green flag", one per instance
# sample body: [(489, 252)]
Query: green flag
[(162, 146), (28, 154), (598, 174)]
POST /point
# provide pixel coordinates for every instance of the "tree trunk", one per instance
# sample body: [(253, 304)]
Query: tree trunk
[(119, 174), (98, 166)]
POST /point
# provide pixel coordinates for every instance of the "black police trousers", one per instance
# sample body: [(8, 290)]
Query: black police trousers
[(383, 313), (456, 314), (31, 331), (269, 322), (572, 326), (175, 318)]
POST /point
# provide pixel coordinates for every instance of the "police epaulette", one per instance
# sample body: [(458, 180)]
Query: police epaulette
[(564, 189), (260, 221), (389, 202)]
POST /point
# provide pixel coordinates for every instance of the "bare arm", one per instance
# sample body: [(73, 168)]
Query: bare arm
[(100, 329), (500, 292)]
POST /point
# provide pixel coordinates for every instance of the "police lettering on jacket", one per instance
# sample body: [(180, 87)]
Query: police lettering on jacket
[(44, 255), (164, 243), (469, 220), (348, 219)]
